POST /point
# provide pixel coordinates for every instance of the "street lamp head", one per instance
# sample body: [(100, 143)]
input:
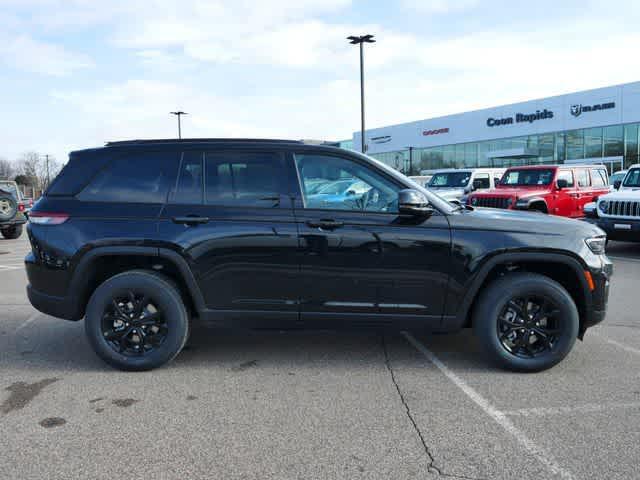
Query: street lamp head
[(179, 113), (355, 40)]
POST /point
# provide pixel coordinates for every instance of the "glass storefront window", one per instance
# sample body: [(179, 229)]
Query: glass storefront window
[(631, 140), (593, 142), (449, 156), (483, 160), (575, 144), (613, 141), (560, 147), (471, 155), (459, 163)]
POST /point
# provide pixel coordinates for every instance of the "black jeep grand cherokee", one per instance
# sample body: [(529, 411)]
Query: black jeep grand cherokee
[(142, 237)]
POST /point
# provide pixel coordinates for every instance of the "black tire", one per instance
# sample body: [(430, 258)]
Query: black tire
[(105, 309), (527, 347), (11, 233), (8, 207)]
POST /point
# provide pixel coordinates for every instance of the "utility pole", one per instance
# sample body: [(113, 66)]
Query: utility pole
[(178, 114), (361, 40), (46, 156)]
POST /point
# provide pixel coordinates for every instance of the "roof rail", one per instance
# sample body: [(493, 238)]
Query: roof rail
[(198, 140)]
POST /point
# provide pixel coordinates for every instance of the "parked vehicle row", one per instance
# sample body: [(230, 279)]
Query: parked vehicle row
[(141, 238), (618, 212)]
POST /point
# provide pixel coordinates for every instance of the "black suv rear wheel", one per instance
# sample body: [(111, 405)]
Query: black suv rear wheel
[(137, 320), (526, 322)]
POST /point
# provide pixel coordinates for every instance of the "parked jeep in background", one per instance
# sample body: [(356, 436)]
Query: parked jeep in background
[(618, 213), (12, 210), (456, 184), (555, 189)]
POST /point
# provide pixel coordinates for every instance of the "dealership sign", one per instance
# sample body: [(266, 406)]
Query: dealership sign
[(577, 109), (520, 118), (381, 139), (438, 131)]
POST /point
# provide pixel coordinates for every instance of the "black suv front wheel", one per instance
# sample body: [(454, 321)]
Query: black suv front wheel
[(137, 320), (526, 322)]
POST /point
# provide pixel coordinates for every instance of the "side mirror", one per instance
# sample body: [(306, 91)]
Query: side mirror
[(562, 183), (617, 184), (414, 203)]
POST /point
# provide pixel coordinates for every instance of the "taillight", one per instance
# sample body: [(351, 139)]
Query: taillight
[(21, 207), (48, 218)]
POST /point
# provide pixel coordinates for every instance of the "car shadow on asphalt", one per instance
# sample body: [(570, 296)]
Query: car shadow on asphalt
[(63, 346)]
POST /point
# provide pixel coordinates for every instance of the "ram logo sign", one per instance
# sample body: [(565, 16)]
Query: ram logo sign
[(577, 109)]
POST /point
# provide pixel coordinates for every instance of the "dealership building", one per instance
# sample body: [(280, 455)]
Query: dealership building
[(593, 126)]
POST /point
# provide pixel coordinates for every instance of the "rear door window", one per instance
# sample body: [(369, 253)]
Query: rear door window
[(598, 178), (582, 176), (190, 182), (481, 181), (251, 179), (142, 177)]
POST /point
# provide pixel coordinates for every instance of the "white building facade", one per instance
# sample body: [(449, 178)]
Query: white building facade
[(593, 126)]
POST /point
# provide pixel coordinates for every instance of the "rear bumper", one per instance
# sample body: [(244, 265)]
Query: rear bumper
[(53, 281), (61, 307)]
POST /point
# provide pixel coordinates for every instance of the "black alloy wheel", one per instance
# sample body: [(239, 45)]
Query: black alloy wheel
[(133, 324), (526, 322), (137, 320), (529, 326)]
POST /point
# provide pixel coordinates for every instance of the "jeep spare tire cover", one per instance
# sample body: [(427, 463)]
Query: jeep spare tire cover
[(8, 206)]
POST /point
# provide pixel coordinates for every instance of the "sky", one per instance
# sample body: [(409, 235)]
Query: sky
[(78, 73)]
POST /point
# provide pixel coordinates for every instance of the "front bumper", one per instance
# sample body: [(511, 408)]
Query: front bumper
[(599, 297), (618, 228)]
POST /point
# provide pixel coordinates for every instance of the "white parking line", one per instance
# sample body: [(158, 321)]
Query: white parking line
[(34, 316), (588, 408), (622, 346), (499, 417)]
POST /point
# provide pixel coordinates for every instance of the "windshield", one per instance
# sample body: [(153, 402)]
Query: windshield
[(616, 176), (527, 177), (450, 179), (633, 178)]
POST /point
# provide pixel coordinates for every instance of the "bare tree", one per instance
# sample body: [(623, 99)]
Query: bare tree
[(6, 169), (37, 169)]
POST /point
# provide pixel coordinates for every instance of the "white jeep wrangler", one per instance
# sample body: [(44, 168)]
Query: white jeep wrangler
[(618, 212)]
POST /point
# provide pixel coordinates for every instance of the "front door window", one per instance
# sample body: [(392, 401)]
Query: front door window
[(334, 183)]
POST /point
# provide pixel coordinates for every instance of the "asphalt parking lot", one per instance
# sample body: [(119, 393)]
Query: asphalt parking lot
[(316, 405)]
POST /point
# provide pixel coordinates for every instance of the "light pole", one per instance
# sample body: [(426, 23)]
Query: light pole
[(178, 114), (361, 40), (410, 159)]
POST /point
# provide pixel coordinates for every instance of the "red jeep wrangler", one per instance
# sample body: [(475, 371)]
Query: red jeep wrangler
[(555, 189)]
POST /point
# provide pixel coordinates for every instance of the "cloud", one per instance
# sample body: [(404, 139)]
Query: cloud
[(439, 6), (25, 53)]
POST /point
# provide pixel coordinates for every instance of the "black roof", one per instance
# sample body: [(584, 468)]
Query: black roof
[(200, 140)]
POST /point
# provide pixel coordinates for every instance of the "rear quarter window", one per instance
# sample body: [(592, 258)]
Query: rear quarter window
[(133, 178)]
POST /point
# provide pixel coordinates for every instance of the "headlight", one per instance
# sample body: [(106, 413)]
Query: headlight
[(522, 203), (603, 206), (509, 202), (596, 244), (474, 201)]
